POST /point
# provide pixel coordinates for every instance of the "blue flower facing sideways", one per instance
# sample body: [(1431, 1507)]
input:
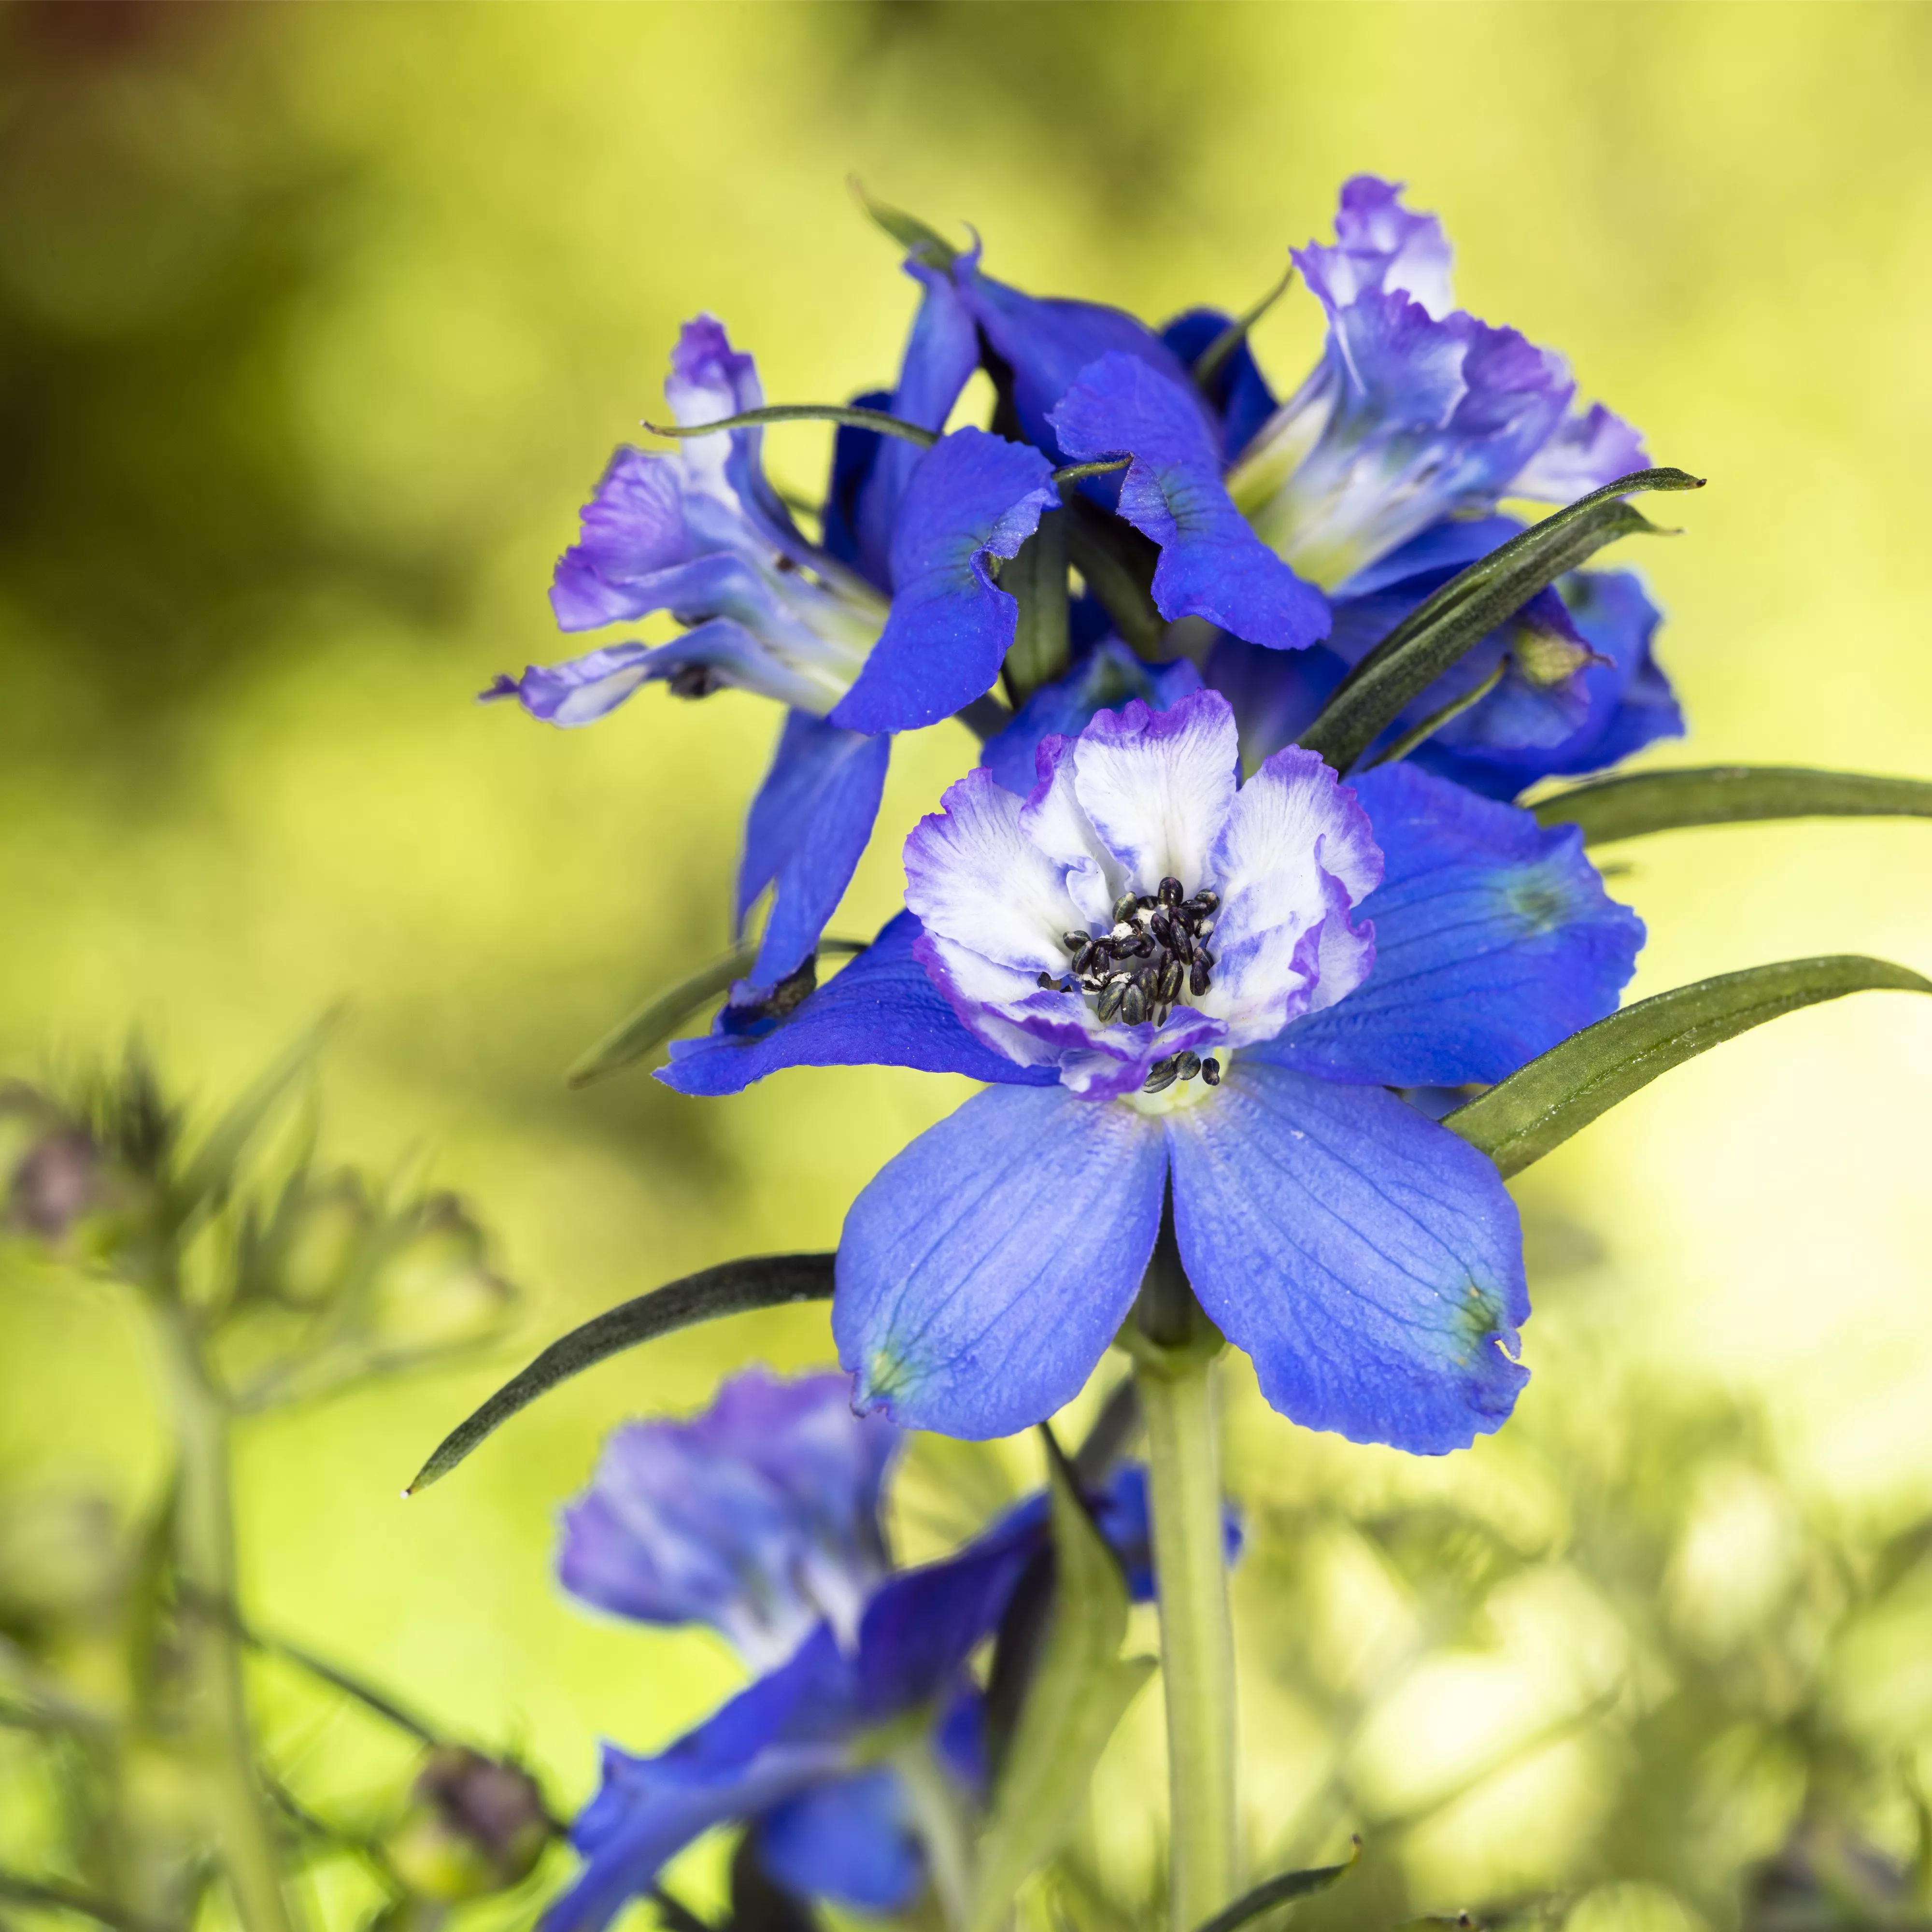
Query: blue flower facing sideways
[(761, 1519), (1175, 983)]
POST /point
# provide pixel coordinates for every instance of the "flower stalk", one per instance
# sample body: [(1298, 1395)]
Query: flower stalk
[(204, 1556), (1174, 1353)]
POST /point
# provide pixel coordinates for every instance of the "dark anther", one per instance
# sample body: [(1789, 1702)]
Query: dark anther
[(1169, 893), (1210, 1071), (1140, 946), (1182, 944), (1171, 976), (1207, 902), (794, 989), (1046, 981), (1148, 980), (1204, 958), (1112, 994), (1187, 1065), (1147, 902), (1084, 955), (692, 680), (1162, 928), (1073, 941), (1159, 1014), (1197, 978), (1125, 907), (1133, 1005), (1161, 1076)]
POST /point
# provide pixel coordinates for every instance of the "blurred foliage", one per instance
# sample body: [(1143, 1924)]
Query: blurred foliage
[(316, 325)]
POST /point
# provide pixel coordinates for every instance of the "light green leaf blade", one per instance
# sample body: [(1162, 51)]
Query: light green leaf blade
[(1644, 802), (1539, 1106), (1446, 626), (732, 1287), (1077, 1696)]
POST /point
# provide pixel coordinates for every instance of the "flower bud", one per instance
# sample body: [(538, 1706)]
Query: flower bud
[(56, 1173), (474, 1825)]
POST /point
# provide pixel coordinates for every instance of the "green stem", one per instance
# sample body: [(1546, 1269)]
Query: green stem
[(205, 1558), (1174, 1367)]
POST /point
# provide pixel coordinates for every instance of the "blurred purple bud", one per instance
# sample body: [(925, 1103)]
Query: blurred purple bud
[(474, 1824)]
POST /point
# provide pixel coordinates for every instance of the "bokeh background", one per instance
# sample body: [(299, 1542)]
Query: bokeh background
[(316, 325)]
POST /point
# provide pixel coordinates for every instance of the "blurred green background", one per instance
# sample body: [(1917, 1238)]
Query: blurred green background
[(316, 325)]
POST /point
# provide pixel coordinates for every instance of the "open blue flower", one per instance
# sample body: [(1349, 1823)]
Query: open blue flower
[(1416, 411), (761, 1519), (1207, 986)]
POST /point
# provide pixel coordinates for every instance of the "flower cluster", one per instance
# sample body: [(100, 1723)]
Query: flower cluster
[(761, 1518)]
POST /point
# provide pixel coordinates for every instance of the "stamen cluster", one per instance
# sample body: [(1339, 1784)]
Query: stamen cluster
[(1154, 955)]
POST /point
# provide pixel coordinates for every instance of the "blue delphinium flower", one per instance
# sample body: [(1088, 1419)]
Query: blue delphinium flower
[(761, 1519), (1165, 979)]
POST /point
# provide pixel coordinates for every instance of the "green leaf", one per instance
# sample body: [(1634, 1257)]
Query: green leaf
[(1626, 808), (1447, 626), (1214, 359), (1037, 576), (647, 1029), (912, 235), (733, 1288), (211, 1174), (850, 415), (1117, 563), (1078, 1695), (1282, 1889), (1539, 1107)]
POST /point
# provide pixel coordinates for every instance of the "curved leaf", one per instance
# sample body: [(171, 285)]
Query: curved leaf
[(1539, 1107), (647, 1029), (732, 1287), (848, 415), (1078, 1694), (1281, 1890), (1445, 626), (1626, 808), (922, 242)]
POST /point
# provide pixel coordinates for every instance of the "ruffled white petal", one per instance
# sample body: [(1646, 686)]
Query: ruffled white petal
[(1158, 786)]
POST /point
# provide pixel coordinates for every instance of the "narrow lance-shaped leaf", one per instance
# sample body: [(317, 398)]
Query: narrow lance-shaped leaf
[(647, 1029), (1630, 806), (1559, 1094), (733, 1288), (1283, 1889), (1449, 624), (848, 415), (1078, 1695)]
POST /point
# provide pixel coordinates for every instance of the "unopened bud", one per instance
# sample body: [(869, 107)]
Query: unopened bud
[(474, 1825)]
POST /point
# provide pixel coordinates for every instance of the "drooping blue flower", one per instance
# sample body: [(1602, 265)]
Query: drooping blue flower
[(1294, 947), (761, 1519), (1416, 411)]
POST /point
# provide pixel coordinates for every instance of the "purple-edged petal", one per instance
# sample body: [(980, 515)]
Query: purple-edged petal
[(983, 1271), (1212, 564), (1368, 1260), (632, 528), (1379, 244), (1296, 853), (580, 691), (1158, 786), (1103, 680), (972, 496), (1590, 449), (882, 1010), (852, 1841), (1494, 939), (807, 830)]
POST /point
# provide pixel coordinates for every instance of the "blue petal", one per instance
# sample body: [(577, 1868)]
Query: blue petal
[(1212, 564), (854, 451), (1276, 695), (972, 496), (808, 829), (852, 1842), (1368, 1260), (983, 1271), (1046, 343), (580, 691), (1239, 390), (1103, 680), (882, 1010), (1494, 939)]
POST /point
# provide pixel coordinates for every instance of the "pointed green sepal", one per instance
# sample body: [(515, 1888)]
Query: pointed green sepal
[(1446, 626), (1643, 801), (733, 1288), (1077, 1696), (1560, 1093), (925, 243), (1283, 1889)]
